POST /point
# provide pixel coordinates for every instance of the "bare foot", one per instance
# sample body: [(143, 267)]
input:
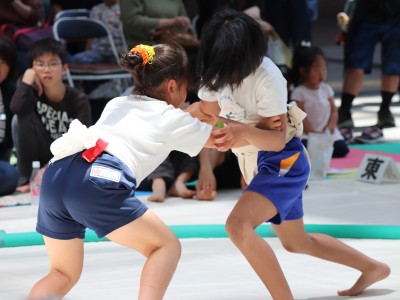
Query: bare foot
[(24, 188), (179, 189), (156, 197), (159, 190), (379, 272)]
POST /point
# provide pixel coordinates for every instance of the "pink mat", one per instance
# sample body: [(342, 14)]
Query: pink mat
[(354, 157)]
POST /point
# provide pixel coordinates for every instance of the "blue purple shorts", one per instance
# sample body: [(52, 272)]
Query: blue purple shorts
[(282, 177), (362, 40), (76, 195)]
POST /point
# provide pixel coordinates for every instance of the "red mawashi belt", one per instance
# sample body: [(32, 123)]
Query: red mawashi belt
[(92, 153)]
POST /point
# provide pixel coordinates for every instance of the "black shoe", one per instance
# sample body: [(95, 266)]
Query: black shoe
[(344, 119), (370, 135), (385, 119)]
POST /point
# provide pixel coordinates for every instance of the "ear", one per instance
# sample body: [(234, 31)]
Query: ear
[(302, 71), (171, 87), (64, 68)]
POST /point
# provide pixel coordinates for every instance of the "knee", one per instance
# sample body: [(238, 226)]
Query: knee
[(298, 246), (171, 245), (236, 229)]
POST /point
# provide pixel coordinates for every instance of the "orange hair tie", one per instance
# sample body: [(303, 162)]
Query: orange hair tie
[(145, 51)]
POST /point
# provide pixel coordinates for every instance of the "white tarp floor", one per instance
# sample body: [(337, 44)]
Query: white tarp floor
[(212, 268)]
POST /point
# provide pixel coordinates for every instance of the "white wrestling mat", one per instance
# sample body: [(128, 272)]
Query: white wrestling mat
[(212, 268)]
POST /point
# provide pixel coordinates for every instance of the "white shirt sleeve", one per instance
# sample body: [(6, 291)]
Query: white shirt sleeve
[(271, 95), (207, 95), (188, 134)]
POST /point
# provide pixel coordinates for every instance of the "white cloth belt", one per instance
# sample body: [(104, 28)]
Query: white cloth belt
[(78, 138)]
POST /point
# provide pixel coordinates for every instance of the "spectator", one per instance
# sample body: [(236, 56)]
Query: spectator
[(372, 22), (18, 14), (99, 50), (7, 89), (170, 177), (21, 13), (8, 174), (315, 97), (141, 17), (291, 19), (44, 107)]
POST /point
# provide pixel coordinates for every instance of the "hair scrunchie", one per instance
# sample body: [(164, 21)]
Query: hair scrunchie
[(145, 51)]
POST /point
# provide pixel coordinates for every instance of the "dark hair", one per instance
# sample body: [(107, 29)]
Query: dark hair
[(303, 57), (48, 45), (232, 47), (8, 55), (169, 62)]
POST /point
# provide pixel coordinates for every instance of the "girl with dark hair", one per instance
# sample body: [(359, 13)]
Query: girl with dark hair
[(239, 83), (92, 178), (313, 95)]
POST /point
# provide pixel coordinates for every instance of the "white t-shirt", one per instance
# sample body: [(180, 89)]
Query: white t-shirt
[(316, 106), (261, 94), (141, 132)]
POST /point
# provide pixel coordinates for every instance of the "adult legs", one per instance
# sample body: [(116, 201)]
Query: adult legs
[(152, 238), (251, 210), (66, 261), (294, 238), (352, 85)]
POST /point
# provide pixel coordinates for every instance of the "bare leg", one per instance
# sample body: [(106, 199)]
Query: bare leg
[(66, 261), (159, 190), (252, 210), (390, 83), (353, 81), (151, 237), (179, 188), (295, 239)]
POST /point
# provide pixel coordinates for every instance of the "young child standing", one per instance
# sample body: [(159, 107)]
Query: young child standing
[(44, 107), (91, 181), (314, 96), (238, 82)]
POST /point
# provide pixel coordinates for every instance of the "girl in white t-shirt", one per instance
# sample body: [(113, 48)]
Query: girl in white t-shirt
[(92, 178), (239, 83), (314, 96)]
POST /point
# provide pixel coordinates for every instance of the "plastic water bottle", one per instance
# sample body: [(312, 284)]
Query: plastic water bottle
[(35, 181)]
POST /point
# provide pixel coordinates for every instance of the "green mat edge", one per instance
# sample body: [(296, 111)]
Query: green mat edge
[(218, 231), (393, 147)]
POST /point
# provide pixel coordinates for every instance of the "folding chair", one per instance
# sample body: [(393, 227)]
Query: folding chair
[(76, 12), (82, 28)]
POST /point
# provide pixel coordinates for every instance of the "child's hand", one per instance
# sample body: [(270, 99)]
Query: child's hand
[(270, 123), (31, 78), (206, 185), (229, 136)]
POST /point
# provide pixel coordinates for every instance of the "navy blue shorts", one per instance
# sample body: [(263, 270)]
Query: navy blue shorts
[(282, 177), (76, 195), (362, 39)]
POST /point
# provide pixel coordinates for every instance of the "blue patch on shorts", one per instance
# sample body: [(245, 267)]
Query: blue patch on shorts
[(282, 177), (76, 195)]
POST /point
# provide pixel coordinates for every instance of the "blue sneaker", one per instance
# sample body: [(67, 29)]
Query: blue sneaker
[(370, 135)]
